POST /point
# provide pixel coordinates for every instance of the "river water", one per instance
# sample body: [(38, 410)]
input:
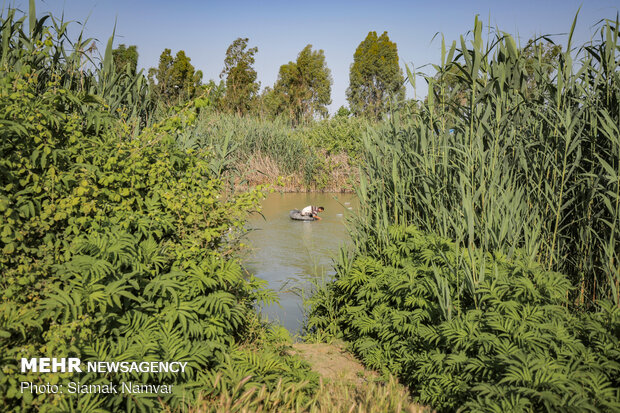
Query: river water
[(285, 252)]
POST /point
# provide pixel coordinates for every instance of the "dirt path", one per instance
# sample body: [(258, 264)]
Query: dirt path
[(355, 388), (333, 362)]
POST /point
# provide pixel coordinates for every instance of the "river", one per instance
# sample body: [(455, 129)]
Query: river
[(285, 252)]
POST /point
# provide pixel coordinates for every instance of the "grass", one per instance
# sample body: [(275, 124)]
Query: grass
[(331, 396), (270, 151), (515, 159)]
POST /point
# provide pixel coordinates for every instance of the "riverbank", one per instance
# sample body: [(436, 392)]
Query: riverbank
[(335, 175), (250, 151)]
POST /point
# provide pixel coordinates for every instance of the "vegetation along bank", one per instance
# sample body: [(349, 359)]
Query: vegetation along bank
[(484, 273)]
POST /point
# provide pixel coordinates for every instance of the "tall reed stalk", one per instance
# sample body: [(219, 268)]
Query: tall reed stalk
[(45, 45), (518, 154)]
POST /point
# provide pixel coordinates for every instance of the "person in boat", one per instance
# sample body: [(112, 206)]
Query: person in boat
[(312, 211)]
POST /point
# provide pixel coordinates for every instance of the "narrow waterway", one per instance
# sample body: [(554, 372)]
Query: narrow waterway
[(285, 252)]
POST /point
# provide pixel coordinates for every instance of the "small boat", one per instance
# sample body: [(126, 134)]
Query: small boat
[(296, 215)]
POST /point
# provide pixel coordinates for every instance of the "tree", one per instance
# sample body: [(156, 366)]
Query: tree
[(343, 112), (214, 91), (241, 85), (125, 56), (375, 76), (176, 78), (303, 87)]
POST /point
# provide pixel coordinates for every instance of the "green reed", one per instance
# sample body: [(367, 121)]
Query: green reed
[(516, 153), (46, 46)]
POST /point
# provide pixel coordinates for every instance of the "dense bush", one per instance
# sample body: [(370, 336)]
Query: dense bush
[(117, 242), (510, 344)]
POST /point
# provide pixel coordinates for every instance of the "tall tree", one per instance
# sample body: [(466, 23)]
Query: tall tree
[(125, 57), (175, 79), (375, 76), (304, 86), (241, 85)]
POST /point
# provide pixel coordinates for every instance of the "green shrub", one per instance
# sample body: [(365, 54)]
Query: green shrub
[(509, 344), (515, 159), (117, 245)]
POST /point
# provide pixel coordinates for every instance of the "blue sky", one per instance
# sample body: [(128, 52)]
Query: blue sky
[(281, 29)]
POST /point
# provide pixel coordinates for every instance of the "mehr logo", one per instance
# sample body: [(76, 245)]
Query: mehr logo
[(73, 365), (51, 365)]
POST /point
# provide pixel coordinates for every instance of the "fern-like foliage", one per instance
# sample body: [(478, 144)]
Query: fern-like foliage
[(513, 345), (117, 243)]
